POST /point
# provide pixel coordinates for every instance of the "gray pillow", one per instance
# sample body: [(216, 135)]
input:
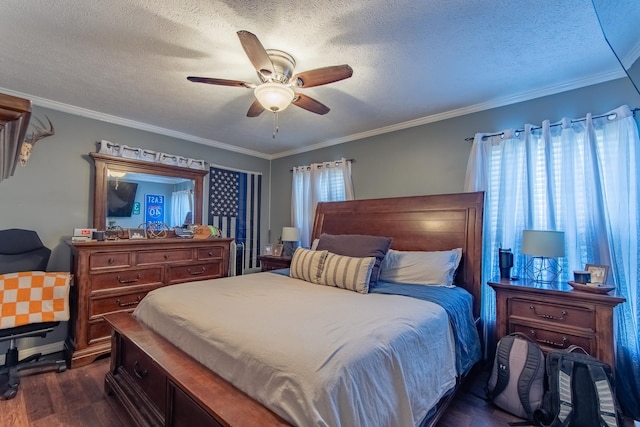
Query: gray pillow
[(358, 246)]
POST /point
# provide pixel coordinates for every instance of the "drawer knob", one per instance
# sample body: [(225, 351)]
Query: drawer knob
[(111, 261), (140, 373), (563, 344), (124, 281), (196, 272), (129, 303), (210, 253), (166, 256), (562, 317)]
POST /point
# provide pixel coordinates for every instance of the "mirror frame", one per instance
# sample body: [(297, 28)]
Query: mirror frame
[(105, 162)]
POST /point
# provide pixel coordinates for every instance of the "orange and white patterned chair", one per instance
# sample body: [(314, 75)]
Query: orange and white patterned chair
[(32, 303)]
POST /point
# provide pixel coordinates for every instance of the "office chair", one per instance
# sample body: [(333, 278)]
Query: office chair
[(22, 250)]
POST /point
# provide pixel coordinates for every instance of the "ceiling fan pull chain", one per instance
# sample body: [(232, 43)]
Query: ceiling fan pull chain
[(275, 124)]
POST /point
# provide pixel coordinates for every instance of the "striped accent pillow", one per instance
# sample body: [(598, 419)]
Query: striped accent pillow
[(347, 272), (307, 265)]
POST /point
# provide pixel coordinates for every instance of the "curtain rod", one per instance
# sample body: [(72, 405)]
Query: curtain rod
[(337, 162), (471, 138)]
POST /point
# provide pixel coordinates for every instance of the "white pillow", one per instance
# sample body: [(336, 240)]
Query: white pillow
[(420, 267), (314, 245), (347, 272)]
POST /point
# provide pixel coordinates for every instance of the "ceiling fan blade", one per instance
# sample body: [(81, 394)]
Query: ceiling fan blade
[(310, 104), (221, 82), (256, 53), (322, 76), (256, 109)]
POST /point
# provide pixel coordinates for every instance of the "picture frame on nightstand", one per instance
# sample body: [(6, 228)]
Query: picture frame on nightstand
[(599, 273), (277, 249)]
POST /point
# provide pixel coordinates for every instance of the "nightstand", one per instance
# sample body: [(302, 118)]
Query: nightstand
[(270, 262), (557, 316)]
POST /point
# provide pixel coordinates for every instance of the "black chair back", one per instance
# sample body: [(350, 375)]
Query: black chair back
[(22, 250)]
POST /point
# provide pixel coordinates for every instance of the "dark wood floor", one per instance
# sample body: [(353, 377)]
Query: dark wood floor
[(76, 398)]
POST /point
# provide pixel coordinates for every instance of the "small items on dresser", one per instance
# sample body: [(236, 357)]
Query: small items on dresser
[(592, 279)]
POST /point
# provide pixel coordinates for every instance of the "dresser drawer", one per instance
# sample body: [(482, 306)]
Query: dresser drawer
[(121, 279), (109, 304), (186, 273), (213, 252), (554, 340), (108, 260), (144, 372), (98, 330), (157, 257), (552, 313)]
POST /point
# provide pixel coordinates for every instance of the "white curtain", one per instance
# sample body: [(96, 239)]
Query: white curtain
[(181, 204), (318, 182), (580, 177)]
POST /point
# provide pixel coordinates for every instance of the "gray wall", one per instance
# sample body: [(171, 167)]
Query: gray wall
[(53, 193), (432, 158)]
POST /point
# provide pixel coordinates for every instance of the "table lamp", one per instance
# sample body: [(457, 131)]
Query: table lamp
[(290, 239), (543, 247)]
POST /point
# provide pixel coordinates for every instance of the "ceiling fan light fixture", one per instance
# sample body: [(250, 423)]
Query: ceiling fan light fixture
[(274, 97)]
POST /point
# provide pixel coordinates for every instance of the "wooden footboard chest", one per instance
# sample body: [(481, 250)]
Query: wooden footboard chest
[(159, 385), (113, 276)]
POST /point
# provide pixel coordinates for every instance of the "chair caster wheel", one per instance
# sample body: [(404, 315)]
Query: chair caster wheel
[(62, 368)]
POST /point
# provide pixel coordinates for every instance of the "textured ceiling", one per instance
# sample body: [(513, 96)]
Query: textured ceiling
[(126, 61)]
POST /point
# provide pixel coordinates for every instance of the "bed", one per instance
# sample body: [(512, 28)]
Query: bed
[(163, 375)]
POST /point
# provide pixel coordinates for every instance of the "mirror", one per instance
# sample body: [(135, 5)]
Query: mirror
[(129, 193), (619, 22)]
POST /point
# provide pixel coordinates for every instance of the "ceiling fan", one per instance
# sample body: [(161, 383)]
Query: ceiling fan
[(278, 86)]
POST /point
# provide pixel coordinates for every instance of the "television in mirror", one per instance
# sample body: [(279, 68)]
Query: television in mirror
[(121, 196)]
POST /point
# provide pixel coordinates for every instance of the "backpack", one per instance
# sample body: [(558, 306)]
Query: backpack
[(580, 392), (516, 383)]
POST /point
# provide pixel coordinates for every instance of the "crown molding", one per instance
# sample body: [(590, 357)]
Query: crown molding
[(498, 102), (91, 114)]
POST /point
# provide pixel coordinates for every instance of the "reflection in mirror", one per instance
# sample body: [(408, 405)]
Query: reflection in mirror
[(619, 21), (131, 192), (137, 198)]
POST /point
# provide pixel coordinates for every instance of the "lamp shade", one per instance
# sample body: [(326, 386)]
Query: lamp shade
[(274, 96), (290, 234), (539, 243)]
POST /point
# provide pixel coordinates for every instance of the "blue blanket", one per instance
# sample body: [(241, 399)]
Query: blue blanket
[(458, 304)]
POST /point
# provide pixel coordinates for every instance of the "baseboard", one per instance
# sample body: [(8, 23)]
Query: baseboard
[(53, 347)]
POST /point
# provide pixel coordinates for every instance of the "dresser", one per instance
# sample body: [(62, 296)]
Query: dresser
[(556, 316), (114, 276)]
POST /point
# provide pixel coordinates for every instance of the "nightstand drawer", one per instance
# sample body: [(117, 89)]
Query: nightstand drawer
[(553, 340), (552, 313)]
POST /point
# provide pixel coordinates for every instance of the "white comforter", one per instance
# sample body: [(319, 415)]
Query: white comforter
[(315, 355)]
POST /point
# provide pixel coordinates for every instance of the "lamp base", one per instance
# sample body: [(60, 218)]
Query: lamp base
[(288, 248), (542, 269)]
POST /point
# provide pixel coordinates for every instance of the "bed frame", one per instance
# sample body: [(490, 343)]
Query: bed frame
[(158, 384)]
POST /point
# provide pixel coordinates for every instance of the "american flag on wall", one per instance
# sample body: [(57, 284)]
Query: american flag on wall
[(234, 207)]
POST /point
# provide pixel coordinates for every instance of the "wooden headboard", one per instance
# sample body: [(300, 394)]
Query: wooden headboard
[(417, 223)]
